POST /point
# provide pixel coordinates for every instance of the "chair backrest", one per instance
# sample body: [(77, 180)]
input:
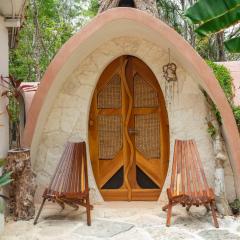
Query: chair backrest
[(187, 171), (71, 175)]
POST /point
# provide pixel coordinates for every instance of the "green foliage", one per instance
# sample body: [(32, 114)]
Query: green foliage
[(235, 206), (211, 130), (203, 11), (233, 45), (171, 13), (92, 9), (213, 18), (48, 25), (236, 112), (224, 78), (5, 179)]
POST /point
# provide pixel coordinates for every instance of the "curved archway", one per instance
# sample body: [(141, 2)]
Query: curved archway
[(121, 22)]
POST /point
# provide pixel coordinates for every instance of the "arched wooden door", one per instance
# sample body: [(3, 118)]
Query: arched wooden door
[(128, 132)]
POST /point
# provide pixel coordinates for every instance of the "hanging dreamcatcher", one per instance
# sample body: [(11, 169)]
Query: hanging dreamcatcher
[(171, 83)]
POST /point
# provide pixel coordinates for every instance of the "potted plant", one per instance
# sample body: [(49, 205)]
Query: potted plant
[(22, 189)]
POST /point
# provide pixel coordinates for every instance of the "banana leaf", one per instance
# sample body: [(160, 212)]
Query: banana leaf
[(233, 45), (220, 23), (207, 10), (5, 179)]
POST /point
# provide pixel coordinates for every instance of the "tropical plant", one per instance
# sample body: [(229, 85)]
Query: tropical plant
[(214, 17), (47, 26), (13, 91), (6, 177), (224, 78), (4, 180)]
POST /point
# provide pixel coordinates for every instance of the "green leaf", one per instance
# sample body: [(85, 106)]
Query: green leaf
[(206, 10), (6, 182), (233, 45), (219, 23), (2, 162), (5, 179)]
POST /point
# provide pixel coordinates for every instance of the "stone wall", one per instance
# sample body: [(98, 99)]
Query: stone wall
[(68, 116)]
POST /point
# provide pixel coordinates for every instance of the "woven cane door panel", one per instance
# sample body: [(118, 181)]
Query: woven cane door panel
[(110, 96), (109, 136), (144, 94), (147, 138)]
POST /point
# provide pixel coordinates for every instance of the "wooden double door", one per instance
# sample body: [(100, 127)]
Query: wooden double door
[(128, 132)]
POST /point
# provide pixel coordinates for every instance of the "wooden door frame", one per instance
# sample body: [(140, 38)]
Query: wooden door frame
[(126, 193)]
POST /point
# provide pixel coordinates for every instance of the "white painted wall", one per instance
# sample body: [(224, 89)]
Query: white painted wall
[(4, 52)]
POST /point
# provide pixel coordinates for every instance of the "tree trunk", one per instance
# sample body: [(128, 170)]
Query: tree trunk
[(22, 188), (149, 6), (220, 40)]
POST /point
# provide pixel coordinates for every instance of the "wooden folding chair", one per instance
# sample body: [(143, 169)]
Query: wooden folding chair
[(69, 184), (188, 182)]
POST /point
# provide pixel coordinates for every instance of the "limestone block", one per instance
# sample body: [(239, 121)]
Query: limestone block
[(103, 229), (218, 235), (69, 119), (52, 158), (85, 92), (53, 123)]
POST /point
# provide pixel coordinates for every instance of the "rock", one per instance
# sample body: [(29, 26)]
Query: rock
[(103, 229), (163, 233), (133, 234), (218, 235), (145, 220)]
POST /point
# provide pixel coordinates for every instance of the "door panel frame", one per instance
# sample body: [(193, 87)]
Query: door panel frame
[(127, 155)]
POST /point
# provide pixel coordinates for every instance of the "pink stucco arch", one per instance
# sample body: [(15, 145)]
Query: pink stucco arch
[(121, 22)]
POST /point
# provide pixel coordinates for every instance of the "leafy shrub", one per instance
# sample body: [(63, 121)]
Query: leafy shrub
[(235, 206), (236, 112), (224, 78)]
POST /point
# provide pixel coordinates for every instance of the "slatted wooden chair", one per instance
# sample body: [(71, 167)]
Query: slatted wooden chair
[(188, 182), (69, 184)]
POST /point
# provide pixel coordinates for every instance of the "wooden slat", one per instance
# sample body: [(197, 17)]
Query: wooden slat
[(188, 165), (66, 186), (188, 176), (183, 171), (205, 187), (198, 176), (192, 172), (174, 167)]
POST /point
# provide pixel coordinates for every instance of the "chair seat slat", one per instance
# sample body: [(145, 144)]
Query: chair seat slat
[(69, 184), (188, 170)]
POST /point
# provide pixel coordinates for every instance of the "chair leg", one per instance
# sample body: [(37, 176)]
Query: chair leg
[(169, 214), (188, 208), (39, 211), (60, 203), (212, 205), (207, 207), (165, 207), (88, 208)]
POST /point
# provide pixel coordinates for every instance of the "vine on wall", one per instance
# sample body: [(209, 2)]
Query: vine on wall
[(224, 78)]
